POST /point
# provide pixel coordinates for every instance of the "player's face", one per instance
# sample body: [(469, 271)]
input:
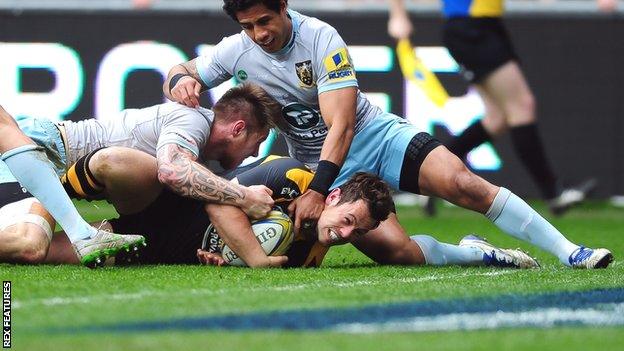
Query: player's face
[(340, 224), (241, 147), (269, 29)]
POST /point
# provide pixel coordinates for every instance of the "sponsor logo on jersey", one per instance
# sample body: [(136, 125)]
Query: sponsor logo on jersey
[(241, 75), (300, 116), (339, 66), (344, 73), (304, 73)]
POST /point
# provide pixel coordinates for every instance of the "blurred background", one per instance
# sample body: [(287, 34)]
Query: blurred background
[(75, 59)]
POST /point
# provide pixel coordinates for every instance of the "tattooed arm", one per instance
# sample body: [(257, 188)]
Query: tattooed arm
[(178, 170)]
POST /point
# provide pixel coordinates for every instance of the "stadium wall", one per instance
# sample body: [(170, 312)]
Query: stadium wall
[(79, 64)]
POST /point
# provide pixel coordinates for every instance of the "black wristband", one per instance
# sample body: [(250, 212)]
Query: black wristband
[(325, 175), (174, 80)]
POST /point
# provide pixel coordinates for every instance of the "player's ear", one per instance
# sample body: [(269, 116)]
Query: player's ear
[(333, 197), (238, 127)]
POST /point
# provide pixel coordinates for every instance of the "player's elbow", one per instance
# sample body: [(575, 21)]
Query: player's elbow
[(167, 175)]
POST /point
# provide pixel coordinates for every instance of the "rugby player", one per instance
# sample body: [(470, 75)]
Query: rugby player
[(25, 223), (331, 126), (179, 137), (176, 227)]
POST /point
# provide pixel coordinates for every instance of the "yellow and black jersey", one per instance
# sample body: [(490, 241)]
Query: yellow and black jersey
[(472, 8), (175, 226)]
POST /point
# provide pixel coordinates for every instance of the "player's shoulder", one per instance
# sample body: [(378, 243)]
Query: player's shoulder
[(174, 110), (236, 43), (311, 28)]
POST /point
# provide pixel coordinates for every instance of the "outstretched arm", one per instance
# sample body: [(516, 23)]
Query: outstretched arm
[(338, 111), (178, 170)]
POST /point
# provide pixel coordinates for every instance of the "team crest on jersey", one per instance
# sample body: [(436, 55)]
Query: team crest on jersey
[(304, 72)]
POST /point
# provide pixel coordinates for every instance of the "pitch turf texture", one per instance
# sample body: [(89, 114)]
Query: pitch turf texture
[(348, 304)]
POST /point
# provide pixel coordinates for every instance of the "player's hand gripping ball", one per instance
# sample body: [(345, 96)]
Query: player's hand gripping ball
[(274, 233)]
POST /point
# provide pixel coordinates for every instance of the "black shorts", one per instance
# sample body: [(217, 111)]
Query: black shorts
[(12, 192), (418, 148), (173, 227), (479, 45)]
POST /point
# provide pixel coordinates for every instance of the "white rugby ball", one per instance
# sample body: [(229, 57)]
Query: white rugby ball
[(274, 233)]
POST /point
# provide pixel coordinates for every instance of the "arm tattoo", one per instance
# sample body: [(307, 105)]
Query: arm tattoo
[(178, 170)]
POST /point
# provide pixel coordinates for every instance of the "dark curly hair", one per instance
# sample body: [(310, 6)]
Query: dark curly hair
[(373, 190), (231, 7)]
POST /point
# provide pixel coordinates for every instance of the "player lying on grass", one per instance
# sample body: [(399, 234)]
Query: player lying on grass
[(332, 127), (175, 227), (179, 137)]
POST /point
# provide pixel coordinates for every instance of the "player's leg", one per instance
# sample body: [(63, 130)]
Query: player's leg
[(442, 174), (389, 244), (61, 250), (25, 226), (34, 170), (30, 165), (508, 89), (483, 130), (126, 177)]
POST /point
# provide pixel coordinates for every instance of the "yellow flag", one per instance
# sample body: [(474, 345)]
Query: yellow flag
[(415, 71)]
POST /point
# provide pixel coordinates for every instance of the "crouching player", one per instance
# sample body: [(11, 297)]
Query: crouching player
[(177, 227)]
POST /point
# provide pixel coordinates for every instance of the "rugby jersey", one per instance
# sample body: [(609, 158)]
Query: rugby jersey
[(472, 8)]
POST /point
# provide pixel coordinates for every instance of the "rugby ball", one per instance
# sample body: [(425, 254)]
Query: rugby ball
[(274, 233)]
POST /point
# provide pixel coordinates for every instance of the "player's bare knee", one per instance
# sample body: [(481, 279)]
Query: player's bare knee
[(104, 161), (29, 242)]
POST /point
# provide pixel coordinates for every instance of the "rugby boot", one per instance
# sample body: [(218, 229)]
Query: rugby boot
[(497, 257), (93, 252), (587, 258), (570, 197)]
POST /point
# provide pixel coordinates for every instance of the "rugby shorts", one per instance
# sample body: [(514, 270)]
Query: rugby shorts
[(479, 45)]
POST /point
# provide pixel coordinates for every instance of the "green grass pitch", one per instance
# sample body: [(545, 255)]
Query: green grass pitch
[(48, 297)]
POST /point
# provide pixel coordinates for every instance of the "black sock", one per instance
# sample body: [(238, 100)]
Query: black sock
[(79, 182), (470, 138), (528, 146)]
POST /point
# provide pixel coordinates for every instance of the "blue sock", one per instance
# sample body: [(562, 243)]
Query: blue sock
[(516, 218), (33, 171), (441, 254)]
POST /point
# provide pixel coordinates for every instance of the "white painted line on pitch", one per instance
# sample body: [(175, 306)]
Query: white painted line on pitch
[(91, 299), (603, 314)]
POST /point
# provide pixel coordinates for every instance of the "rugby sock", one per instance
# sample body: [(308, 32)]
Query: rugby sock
[(530, 150), (79, 182), (440, 254), (470, 138), (35, 172), (516, 218)]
